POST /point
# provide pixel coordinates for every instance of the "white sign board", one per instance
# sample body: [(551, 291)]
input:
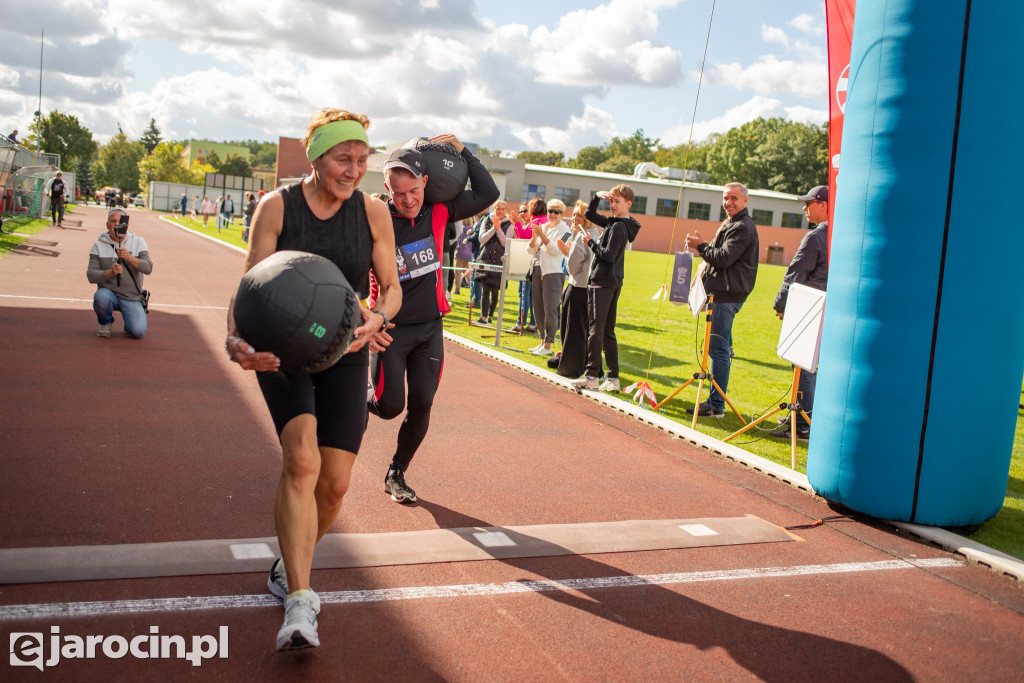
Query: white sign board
[(517, 258), (800, 338)]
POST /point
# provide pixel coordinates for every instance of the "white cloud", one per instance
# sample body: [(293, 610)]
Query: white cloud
[(808, 23), (774, 34), (614, 43), (772, 76), (9, 77), (595, 127), (755, 107)]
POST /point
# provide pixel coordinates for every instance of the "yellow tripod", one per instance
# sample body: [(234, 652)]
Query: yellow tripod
[(703, 375), (793, 406)]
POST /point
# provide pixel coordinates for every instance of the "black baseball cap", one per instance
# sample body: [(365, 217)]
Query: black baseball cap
[(817, 194), (409, 159)]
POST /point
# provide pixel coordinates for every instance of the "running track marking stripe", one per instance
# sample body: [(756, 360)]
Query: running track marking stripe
[(89, 301), (117, 607)]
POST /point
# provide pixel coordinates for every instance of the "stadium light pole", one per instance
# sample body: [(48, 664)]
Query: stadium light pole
[(39, 109)]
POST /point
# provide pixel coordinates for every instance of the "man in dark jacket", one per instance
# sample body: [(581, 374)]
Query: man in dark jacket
[(58, 193), (808, 267), (605, 284), (728, 274)]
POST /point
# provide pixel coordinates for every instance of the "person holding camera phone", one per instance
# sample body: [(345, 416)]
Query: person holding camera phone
[(117, 262)]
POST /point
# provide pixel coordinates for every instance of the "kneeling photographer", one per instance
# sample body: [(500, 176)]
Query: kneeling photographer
[(117, 262)]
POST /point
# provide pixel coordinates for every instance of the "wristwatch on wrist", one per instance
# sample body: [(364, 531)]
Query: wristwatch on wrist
[(383, 325)]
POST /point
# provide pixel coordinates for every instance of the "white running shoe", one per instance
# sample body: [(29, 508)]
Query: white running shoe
[(277, 582), (610, 384), (542, 351), (584, 382), (299, 628)]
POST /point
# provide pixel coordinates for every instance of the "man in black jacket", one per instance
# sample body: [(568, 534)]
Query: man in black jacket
[(58, 193), (605, 284), (728, 273), (809, 267)]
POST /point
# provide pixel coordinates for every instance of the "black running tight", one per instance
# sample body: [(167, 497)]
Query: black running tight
[(416, 357)]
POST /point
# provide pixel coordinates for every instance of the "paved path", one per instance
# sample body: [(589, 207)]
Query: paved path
[(120, 442)]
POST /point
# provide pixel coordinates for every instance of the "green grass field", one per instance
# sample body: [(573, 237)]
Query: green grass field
[(661, 343), (231, 234), (22, 227)]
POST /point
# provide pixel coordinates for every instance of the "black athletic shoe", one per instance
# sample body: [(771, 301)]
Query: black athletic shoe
[(394, 483), (705, 410), (801, 435)]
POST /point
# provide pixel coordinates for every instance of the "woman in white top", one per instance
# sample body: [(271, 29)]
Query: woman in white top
[(544, 245)]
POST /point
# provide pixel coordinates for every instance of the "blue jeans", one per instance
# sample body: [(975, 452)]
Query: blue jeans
[(722, 316), (105, 302), (805, 397), (525, 302)]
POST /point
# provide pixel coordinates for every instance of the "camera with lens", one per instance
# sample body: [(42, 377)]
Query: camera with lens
[(122, 225)]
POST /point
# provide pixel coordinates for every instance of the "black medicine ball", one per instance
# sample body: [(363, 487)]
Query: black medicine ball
[(298, 306), (447, 170)]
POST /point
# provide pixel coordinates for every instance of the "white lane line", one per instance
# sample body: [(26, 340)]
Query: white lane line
[(115, 607), (89, 301)]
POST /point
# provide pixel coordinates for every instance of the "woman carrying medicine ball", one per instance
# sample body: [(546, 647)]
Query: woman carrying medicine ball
[(320, 417)]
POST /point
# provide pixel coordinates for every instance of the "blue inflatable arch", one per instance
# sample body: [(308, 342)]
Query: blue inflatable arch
[(923, 344)]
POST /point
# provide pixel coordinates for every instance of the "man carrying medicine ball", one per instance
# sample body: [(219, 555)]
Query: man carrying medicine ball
[(415, 345)]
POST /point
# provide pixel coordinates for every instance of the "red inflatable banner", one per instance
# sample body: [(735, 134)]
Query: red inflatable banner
[(839, 23)]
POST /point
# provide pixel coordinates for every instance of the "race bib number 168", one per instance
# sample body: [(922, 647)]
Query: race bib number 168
[(417, 259)]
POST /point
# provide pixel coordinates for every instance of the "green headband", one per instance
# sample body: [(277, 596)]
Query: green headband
[(330, 134)]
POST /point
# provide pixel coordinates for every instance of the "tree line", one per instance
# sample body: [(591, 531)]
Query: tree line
[(132, 164), (768, 154), (764, 154)]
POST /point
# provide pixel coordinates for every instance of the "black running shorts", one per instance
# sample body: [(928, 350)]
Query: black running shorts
[(336, 397)]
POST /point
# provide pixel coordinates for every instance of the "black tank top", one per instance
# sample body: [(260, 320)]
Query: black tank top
[(344, 238)]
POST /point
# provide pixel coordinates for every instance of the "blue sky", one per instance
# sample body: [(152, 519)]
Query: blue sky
[(531, 74)]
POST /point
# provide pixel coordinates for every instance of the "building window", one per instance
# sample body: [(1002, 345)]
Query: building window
[(722, 215), (699, 212), (639, 205), (531, 191), (602, 205), (568, 195), (762, 217), (666, 207), (792, 220)]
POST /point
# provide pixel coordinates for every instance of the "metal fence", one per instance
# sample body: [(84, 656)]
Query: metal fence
[(165, 196), (25, 178)]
